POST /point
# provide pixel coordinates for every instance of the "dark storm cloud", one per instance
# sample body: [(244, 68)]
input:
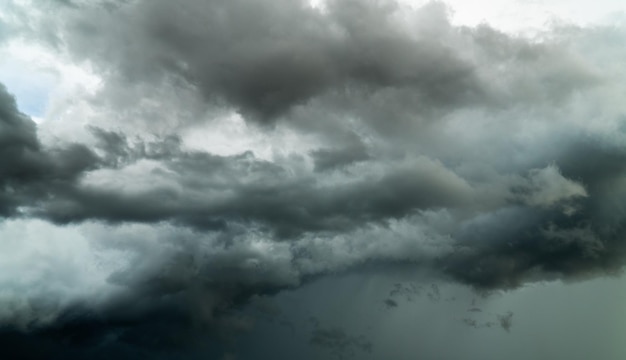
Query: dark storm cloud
[(265, 59), (515, 244), (188, 286), (208, 191), (391, 180), (28, 172), (327, 159), (177, 295)]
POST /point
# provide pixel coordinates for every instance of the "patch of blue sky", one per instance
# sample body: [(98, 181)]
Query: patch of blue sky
[(31, 88)]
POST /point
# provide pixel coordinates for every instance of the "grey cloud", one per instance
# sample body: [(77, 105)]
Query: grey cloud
[(174, 294), (517, 245), (580, 238), (533, 72), (328, 159), (209, 191), (426, 154), (547, 187), (267, 60), (506, 321), (192, 191), (260, 62), (28, 171)]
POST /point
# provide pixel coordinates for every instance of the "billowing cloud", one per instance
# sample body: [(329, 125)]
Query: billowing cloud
[(384, 136), (29, 172)]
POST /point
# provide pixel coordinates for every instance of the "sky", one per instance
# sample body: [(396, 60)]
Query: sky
[(336, 179)]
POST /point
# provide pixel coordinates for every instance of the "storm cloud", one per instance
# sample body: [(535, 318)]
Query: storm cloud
[(29, 172), (375, 136)]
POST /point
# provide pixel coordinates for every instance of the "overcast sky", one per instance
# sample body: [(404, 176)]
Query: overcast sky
[(337, 179)]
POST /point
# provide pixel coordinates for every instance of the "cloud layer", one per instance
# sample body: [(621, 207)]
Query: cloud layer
[(491, 159)]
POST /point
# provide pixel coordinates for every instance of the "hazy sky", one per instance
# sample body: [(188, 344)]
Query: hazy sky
[(284, 179)]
